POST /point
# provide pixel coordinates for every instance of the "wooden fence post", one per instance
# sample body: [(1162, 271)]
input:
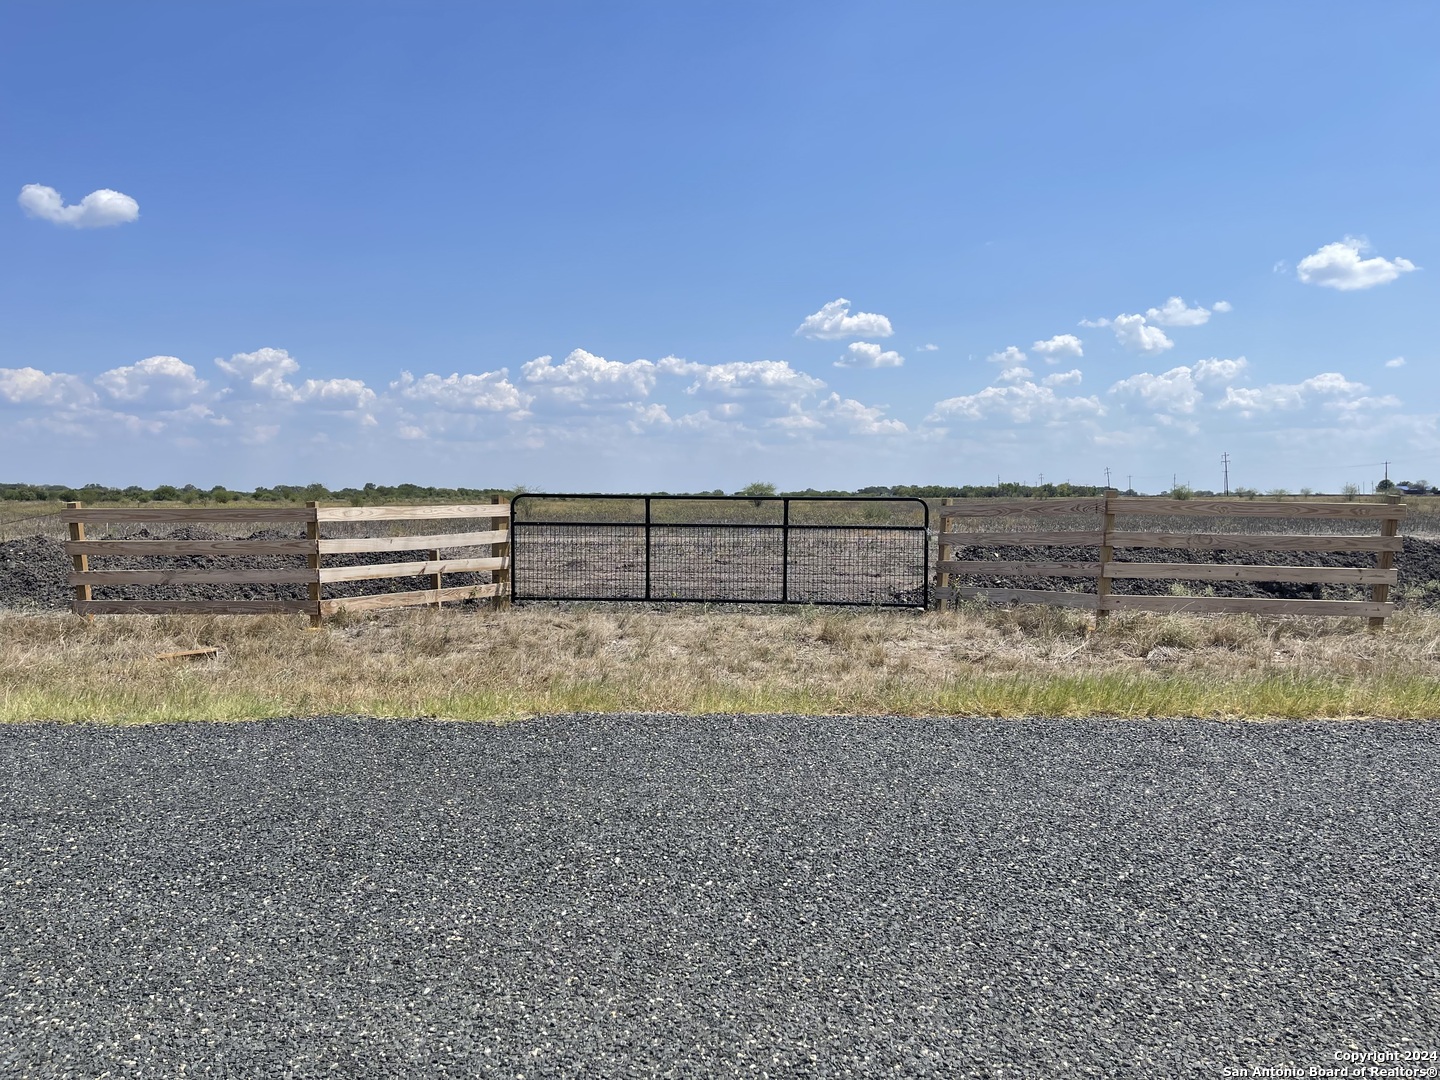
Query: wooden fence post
[(945, 553), (437, 580), (312, 533), (81, 563), (500, 577), (1107, 553), (1385, 560)]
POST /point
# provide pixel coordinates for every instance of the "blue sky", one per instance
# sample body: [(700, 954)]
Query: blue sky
[(682, 246)]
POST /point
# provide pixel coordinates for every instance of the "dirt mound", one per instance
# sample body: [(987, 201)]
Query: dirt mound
[(34, 572)]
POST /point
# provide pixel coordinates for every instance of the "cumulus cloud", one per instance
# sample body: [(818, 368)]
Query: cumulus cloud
[(774, 378), (834, 321), (1133, 332), (1216, 370), (1058, 348), (1022, 403), (1095, 324), (1008, 357), (31, 386), (491, 391), (866, 354), (1014, 374), (262, 372), (842, 415), (1222, 306), (165, 379), (1340, 266), (336, 393), (928, 348), (1175, 313), (1181, 389), (1172, 391), (583, 374), (1399, 361), (1248, 401), (95, 211), (1063, 378)]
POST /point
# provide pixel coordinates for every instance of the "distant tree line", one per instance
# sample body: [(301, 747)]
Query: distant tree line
[(383, 493)]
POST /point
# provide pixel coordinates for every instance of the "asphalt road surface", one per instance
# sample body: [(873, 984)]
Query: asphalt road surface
[(640, 896)]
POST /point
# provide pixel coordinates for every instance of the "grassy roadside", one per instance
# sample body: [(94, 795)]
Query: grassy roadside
[(478, 665)]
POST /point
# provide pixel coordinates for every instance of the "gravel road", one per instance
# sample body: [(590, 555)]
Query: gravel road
[(715, 896)]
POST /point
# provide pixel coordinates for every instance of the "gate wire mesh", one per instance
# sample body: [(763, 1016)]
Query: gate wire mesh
[(714, 549)]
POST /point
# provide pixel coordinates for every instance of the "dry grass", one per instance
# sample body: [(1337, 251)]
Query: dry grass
[(467, 664)]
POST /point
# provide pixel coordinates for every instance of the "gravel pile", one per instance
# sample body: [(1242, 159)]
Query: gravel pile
[(715, 896)]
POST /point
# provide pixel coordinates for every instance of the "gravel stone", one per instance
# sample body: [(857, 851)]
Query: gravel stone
[(656, 896)]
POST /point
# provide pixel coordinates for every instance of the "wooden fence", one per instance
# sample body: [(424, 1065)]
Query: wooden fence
[(314, 547), (1106, 537)]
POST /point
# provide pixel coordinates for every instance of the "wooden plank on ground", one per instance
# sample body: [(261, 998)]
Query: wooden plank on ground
[(408, 599), (189, 654), (191, 515), (189, 547), (1050, 597), (981, 508), (411, 569), (1329, 575), (1319, 511), (1002, 568), (1021, 539), (413, 513), (1253, 542), (194, 577), (189, 607), (1224, 605), (406, 543)]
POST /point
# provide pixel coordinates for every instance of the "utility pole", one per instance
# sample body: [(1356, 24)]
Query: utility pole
[(1129, 481), (1107, 477), (1225, 460)]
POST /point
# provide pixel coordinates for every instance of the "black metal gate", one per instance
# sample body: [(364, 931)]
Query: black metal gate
[(720, 549)]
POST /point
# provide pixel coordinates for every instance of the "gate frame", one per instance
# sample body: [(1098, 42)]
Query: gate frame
[(785, 527)]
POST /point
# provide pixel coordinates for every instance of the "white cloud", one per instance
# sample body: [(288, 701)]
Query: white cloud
[(489, 392), (928, 348), (1095, 324), (834, 321), (1175, 313), (583, 374), (866, 354), (1179, 390), (337, 393), (96, 210), (1058, 347), (1222, 306), (1282, 396), (1021, 403), (262, 372), (1133, 332), (743, 378), (1009, 357), (31, 386), (1174, 391), (1063, 378), (843, 415), (1216, 370), (1399, 361), (1014, 374), (1339, 266), (163, 378)]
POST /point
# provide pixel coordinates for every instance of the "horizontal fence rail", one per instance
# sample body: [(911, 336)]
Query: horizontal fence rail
[(1104, 569), (312, 547)]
